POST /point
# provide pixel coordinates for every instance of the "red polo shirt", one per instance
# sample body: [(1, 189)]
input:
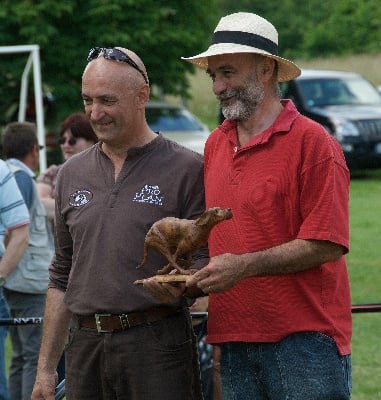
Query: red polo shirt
[(289, 182)]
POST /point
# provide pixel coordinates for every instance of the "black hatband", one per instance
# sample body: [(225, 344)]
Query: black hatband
[(247, 39)]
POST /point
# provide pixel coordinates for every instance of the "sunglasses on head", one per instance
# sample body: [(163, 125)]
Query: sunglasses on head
[(72, 141), (111, 53)]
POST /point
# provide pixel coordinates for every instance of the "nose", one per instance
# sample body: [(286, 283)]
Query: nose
[(219, 85), (95, 112), (217, 88)]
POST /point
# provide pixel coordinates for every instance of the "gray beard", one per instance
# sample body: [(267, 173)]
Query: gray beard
[(239, 111), (248, 98)]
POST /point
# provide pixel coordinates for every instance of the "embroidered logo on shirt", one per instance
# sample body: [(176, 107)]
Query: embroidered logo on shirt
[(80, 198), (149, 194)]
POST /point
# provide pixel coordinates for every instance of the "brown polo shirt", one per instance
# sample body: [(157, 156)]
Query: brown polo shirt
[(101, 224)]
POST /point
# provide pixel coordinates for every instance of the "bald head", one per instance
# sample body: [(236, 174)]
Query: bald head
[(136, 59), (120, 55)]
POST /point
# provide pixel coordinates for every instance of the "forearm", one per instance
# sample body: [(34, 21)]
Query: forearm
[(49, 205), (226, 270), (291, 257), (17, 243), (47, 200), (56, 322)]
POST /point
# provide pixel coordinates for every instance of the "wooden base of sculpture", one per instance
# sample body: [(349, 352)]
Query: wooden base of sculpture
[(168, 278)]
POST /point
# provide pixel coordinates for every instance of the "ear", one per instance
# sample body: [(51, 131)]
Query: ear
[(36, 149), (267, 68), (203, 219), (142, 96)]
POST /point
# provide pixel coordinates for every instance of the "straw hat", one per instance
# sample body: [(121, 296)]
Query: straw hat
[(246, 33)]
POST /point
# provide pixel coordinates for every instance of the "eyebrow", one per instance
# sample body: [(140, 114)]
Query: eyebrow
[(221, 68)]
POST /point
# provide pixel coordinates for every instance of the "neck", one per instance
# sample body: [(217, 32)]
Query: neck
[(261, 119), (30, 162), (118, 152)]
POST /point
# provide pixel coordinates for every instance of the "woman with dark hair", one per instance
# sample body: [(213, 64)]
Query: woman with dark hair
[(76, 135)]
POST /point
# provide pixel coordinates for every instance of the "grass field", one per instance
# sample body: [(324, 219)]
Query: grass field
[(364, 261)]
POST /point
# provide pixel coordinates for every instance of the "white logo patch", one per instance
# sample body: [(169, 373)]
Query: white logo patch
[(80, 198), (149, 194)]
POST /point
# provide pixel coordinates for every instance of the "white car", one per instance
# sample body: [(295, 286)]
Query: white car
[(177, 123)]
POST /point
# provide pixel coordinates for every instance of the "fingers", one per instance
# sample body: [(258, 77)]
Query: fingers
[(164, 292), (200, 275), (202, 281)]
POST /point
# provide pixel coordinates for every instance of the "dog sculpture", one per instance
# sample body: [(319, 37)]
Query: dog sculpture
[(175, 237)]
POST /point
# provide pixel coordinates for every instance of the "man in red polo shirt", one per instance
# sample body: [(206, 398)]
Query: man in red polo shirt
[(279, 298)]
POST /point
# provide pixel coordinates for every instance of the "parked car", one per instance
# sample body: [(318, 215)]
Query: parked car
[(347, 105), (177, 123)]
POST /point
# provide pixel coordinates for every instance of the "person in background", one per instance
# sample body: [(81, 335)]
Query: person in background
[(123, 343), (25, 288), (279, 296), (76, 135), (14, 239)]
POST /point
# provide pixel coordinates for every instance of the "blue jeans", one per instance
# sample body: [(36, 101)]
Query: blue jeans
[(4, 313), (302, 366)]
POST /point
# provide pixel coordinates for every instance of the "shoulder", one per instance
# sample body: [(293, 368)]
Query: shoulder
[(3, 165), (23, 179), (87, 164), (13, 209), (306, 124), (5, 172), (312, 133), (316, 144), (79, 160)]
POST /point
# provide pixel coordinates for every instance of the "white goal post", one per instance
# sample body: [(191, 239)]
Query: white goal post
[(33, 61)]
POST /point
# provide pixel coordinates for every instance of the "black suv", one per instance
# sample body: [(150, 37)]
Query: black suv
[(348, 106)]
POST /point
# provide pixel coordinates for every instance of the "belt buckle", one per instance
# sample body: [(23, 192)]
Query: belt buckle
[(98, 323), (124, 322)]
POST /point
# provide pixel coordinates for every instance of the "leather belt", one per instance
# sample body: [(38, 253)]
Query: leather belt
[(105, 323)]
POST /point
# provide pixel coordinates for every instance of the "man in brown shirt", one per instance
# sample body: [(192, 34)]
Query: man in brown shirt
[(123, 343)]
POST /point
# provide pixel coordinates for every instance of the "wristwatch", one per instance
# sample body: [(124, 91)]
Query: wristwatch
[(2, 281)]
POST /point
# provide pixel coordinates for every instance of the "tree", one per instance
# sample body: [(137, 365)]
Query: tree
[(317, 28), (160, 31), (347, 26)]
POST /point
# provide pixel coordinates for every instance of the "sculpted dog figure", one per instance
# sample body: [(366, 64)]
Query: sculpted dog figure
[(175, 237)]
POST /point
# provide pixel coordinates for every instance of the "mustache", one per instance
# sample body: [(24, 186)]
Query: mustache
[(227, 94)]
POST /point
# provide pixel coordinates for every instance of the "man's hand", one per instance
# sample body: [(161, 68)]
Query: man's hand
[(222, 273), (45, 386), (164, 292)]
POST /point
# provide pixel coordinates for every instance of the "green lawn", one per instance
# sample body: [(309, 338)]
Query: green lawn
[(364, 261)]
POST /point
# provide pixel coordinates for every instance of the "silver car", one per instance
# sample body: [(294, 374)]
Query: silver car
[(177, 123)]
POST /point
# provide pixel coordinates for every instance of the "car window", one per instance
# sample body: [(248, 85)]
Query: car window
[(311, 91), (365, 92), (334, 91), (171, 119)]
